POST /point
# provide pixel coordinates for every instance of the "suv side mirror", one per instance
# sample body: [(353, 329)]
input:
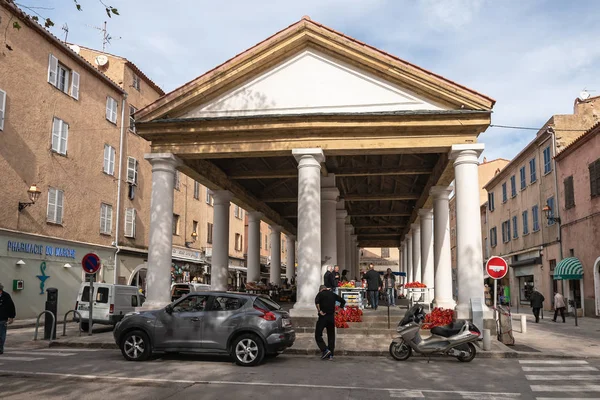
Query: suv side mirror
[(169, 309)]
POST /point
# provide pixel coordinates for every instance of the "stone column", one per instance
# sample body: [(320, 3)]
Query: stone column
[(354, 254), (254, 218), (426, 219), (404, 258), (468, 227), (442, 256), (290, 263), (340, 235), (160, 245), (329, 198), (219, 269), (309, 229), (275, 268), (348, 247), (409, 258), (416, 252)]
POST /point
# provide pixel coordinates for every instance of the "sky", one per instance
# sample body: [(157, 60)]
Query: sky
[(534, 57)]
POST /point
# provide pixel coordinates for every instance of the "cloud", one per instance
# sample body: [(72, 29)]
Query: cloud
[(454, 14)]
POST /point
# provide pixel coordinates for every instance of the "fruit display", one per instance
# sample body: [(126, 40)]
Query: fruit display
[(415, 285), (438, 317), (347, 314), (346, 284)]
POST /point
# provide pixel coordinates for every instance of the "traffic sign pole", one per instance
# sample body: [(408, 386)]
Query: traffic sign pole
[(90, 322), (91, 264)]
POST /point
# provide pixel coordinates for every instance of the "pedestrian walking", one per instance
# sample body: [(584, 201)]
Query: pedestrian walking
[(7, 315), (328, 278), (373, 286), (389, 283), (325, 303), (559, 306), (537, 302)]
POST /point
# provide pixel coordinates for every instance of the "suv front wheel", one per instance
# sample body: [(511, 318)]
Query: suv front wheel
[(135, 346), (248, 350)]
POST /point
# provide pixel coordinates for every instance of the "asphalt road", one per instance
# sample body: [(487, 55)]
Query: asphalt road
[(96, 374)]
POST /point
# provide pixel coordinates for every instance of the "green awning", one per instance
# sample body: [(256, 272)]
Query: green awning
[(569, 268)]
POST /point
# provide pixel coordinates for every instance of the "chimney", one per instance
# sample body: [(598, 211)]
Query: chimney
[(484, 160)]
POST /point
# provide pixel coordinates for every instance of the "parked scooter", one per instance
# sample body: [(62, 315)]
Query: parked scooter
[(455, 340)]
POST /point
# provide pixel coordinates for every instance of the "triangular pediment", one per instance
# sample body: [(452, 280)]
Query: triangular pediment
[(313, 82)]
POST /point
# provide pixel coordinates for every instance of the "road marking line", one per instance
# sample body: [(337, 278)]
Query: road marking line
[(112, 378), (560, 388), (46, 353), (566, 398), (406, 394), (559, 369), (563, 377), (560, 362), (9, 358)]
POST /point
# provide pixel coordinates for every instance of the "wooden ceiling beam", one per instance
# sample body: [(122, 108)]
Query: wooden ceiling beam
[(339, 172), (378, 234), (379, 226), (379, 243), (381, 196), (360, 214)]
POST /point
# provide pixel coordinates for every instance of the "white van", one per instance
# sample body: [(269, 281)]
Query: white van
[(179, 290), (111, 303)]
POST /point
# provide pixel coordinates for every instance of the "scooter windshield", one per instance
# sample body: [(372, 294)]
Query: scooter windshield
[(410, 315)]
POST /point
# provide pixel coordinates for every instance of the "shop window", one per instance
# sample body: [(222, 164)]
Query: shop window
[(525, 289), (569, 192)]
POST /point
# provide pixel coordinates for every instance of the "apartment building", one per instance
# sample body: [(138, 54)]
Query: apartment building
[(517, 229)]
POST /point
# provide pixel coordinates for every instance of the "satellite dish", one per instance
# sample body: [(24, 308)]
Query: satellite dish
[(584, 95), (75, 48), (101, 60)]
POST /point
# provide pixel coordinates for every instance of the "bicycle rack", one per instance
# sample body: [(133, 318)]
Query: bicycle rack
[(65, 321), (37, 324)]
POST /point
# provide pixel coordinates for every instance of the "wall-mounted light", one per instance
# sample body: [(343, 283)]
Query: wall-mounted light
[(548, 212), (194, 236), (67, 265), (20, 263), (34, 195)]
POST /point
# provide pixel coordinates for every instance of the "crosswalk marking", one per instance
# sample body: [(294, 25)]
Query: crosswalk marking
[(46, 353), (9, 358), (563, 377), (559, 369), (406, 394), (559, 362), (582, 387)]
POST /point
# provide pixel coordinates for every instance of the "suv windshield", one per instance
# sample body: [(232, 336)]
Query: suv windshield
[(266, 304)]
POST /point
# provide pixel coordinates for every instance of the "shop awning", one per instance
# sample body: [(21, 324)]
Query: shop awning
[(569, 268)]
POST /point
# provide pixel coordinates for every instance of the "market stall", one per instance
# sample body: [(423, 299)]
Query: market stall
[(353, 295)]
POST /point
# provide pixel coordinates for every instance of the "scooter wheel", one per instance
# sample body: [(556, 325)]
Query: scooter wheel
[(471, 355), (400, 351)]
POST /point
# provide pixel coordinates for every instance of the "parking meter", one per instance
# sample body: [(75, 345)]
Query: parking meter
[(52, 306)]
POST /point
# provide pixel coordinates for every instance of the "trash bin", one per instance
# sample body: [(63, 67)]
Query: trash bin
[(52, 306)]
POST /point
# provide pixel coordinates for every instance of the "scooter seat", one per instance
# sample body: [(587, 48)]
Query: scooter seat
[(447, 330)]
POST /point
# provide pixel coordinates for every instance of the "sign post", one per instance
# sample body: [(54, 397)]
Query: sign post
[(497, 268), (91, 265)]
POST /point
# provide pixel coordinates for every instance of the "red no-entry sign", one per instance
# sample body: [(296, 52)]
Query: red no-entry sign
[(496, 267)]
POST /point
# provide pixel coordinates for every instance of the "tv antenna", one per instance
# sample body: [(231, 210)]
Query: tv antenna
[(106, 38), (65, 28)]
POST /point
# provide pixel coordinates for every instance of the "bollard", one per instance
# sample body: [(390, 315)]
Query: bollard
[(487, 340), (523, 324)]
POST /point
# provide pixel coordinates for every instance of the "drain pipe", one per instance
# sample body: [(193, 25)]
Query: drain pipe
[(556, 214), (119, 182)]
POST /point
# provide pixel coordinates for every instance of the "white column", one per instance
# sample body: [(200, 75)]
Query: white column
[(409, 259), (219, 268), (442, 256), (309, 229), (254, 218), (340, 235), (158, 276), (354, 254), (468, 227), (405, 262), (290, 263), (416, 252), (348, 231), (329, 198), (426, 220), (275, 268)]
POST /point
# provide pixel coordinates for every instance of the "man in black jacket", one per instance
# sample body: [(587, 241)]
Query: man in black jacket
[(7, 315), (325, 303), (537, 302), (328, 278), (373, 285)]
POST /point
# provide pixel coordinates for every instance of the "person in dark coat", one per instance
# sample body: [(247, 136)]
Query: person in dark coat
[(325, 303), (328, 279), (336, 277), (537, 302), (7, 315), (345, 275), (373, 285)]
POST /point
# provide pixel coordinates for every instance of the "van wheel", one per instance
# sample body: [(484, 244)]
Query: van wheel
[(85, 326), (248, 350), (135, 346)]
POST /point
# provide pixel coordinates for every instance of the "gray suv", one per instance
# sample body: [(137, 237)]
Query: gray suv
[(246, 326)]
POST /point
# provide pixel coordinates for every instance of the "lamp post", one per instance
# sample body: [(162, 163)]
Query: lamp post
[(34, 195)]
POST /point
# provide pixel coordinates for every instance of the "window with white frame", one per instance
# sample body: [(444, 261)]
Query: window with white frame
[(175, 224), (237, 212), (60, 135), (105, 219), (177, 182), (130, 217), (59, 76), (209, 198), (54, 213), (196, 190), (132, 170), (2, 108), (136, 82), (238, 242), (132, 111), (109, 160), (111, 109)]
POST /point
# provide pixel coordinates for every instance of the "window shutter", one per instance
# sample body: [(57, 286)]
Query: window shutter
[(75, 85), (130, 222), (2, 108), (51, 213), (106, 157), (59, 206), (593, 168), (64, 137), (108, 219), (102, 218), (52, 69), (56, 127), (132, 170)]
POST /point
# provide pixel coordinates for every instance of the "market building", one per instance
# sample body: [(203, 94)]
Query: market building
[(318, 117), (518, 230), (578, 170)]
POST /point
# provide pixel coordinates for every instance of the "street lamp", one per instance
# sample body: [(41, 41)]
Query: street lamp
[(34, 194), (549, 213)]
